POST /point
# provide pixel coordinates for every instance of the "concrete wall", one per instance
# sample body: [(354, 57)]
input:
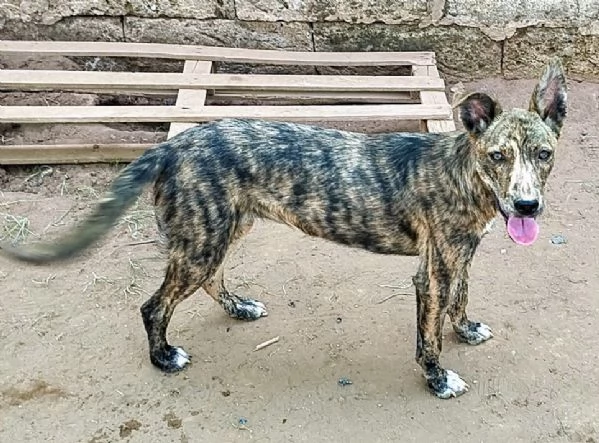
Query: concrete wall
[(472, 38)]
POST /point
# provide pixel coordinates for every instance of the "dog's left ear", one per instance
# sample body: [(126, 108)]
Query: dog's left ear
[(477, 111), (549, 98)]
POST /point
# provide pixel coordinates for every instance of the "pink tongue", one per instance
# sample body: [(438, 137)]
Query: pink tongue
[(523, 231)]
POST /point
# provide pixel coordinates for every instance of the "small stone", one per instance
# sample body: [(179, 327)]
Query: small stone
[(558, 239), (344, 381)]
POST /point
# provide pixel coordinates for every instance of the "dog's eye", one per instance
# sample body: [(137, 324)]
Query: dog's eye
[(496, 156), (544, 154)]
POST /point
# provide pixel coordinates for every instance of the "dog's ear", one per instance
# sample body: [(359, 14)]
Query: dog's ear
[(549, 98), (477, 111)]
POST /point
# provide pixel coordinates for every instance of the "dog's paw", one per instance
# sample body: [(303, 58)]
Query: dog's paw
[(171, 359), (448, 386), (248, 309), (474, 333)]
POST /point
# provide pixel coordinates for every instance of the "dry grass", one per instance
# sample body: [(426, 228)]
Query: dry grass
[(95, 280), (87, 193), (37, 178), (133, 289), (137, 219), (15, 228), (45, 282)]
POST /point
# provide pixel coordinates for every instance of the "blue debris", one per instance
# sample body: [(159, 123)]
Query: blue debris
[(558, 240), (344, 381), (242, 421)]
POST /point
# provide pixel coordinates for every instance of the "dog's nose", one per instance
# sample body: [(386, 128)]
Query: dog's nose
[(526, 207)]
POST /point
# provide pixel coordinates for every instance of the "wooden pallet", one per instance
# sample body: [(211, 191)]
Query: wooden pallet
[(419, 97)]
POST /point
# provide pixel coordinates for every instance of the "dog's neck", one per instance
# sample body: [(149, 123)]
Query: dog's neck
[(468, 185)]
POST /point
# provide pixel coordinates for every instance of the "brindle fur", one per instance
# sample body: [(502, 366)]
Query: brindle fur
[(430, 195)]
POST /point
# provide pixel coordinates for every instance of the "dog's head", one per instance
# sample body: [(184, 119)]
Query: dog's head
[(515, 150)]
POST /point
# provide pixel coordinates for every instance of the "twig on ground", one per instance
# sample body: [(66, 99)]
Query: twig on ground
[(389, 297), (57, 222), (267, 343), (144, 242)]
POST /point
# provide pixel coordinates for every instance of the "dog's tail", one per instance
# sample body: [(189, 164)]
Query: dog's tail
[(122, 194)]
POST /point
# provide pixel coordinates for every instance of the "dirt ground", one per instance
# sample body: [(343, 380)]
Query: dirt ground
[(75, 367)]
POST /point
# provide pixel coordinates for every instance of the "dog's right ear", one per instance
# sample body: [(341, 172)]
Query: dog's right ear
[(550, 97), (477, 111)]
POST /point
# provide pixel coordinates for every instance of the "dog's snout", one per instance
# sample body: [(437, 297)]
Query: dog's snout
[(526, 207)]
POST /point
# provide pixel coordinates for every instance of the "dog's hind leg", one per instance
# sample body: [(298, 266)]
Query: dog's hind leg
[(467, 330), (433, 281), (182, 280), (235, 306)]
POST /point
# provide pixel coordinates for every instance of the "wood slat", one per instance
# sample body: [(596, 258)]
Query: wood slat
[(432, 98), (70, 154), (209, 53), (190, 98), (32, 80), (123, 114), (309, 97), (280, 97)]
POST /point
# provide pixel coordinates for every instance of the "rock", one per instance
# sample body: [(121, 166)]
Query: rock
[(48, 13), (344, 381), (523, 13), (231, 33), (558, 239), (351, 11), (75, 29), (527, 52), (462, 53)]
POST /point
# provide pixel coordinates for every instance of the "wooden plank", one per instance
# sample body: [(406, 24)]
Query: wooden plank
[(433, 98), (190, 98), (308, 97), (122, 114), (281, 97), (70, 154), (209, 53), (31, 80)]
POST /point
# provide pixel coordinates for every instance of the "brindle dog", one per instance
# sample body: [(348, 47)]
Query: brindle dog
[(430, 195)]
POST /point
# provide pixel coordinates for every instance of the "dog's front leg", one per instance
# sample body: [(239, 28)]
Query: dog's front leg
[(471, 332), (434, 281)]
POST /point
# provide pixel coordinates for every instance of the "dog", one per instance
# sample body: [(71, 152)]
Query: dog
[(413, 194)]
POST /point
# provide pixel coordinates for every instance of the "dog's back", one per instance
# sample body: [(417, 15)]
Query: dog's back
[(356, 189)]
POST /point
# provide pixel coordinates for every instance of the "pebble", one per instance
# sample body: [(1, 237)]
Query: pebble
[(558, 239)]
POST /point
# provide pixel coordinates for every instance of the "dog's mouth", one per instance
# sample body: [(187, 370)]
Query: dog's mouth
[(522, 230)]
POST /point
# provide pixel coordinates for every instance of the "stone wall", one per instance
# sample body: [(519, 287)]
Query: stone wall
[(472, 38)]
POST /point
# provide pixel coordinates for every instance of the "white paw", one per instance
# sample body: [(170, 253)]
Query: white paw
[(258, 304), (251, 309), (475, 333), (484, 331), (454, 386), (182, 358)]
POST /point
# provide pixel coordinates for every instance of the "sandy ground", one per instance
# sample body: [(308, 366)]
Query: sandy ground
[(75, 368)]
